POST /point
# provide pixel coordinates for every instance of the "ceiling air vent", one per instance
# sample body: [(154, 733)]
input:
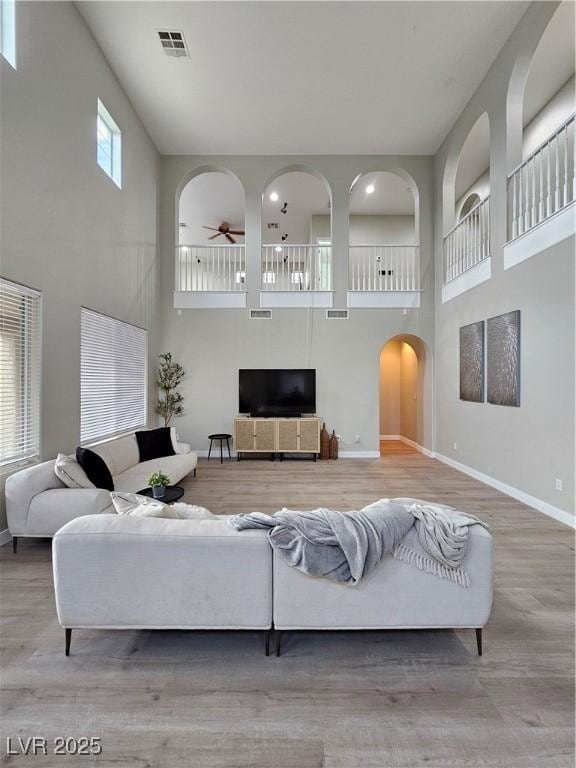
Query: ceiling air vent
[(173, 43), (337, 314), (260, 314)]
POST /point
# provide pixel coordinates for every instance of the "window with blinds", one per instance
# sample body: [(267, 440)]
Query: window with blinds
[(20, 340), (112, 377)]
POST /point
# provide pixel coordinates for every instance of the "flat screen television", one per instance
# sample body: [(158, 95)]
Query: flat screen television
[(277, 392)]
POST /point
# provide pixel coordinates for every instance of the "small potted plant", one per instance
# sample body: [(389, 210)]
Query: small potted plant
[(158, 482)]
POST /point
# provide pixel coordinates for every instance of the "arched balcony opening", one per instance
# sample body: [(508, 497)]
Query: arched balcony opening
[(297, 232), (467, 243), (210, 252), (383, 239), (543, 183)]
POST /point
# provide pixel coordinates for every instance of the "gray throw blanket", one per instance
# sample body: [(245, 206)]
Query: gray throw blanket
[(345, 546)]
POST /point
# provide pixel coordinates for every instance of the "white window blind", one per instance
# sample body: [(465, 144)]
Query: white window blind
[(20, 339), (113, 377)]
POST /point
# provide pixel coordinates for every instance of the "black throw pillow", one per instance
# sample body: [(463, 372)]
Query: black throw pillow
[(95, 467), (155, 443)]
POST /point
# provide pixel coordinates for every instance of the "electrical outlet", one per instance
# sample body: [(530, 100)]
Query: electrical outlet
[(455, 446), (558, 484)]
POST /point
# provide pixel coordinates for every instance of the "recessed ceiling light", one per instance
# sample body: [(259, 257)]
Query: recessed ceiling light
[(370, 188), (274, 197), (278, 249)]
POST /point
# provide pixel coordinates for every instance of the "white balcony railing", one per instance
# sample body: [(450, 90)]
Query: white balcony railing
[(210, 268), (468, 243), (544, 183), (296, 267), (384, 267)]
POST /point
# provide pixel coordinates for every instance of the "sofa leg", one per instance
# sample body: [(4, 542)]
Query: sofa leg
[(14, 544), (268, 634), (68, 639), (479, 641), (278, 641)]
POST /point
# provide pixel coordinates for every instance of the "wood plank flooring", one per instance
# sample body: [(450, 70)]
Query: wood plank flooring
[(395, 448), (339, 700)]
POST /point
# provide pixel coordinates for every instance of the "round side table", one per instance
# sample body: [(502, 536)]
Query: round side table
[(221, 437), (173, 493)]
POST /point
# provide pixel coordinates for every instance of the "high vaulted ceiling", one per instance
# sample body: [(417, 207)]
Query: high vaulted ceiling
[(302, 77)]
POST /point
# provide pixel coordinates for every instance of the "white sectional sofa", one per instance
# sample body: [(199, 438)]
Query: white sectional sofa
[(38, 503), (203, 574)]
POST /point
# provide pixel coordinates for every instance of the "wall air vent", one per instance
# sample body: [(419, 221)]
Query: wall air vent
[(173, 43), (260, 314), (273, 225), (337, 314)]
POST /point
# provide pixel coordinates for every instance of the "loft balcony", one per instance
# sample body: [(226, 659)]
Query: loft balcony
[(214, 276), (466, 254), (384, 276), (541, 195), (210, 276), (296, 276)]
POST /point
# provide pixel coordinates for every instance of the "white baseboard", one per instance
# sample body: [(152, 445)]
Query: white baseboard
[(542, 506), (417, 446), (5, 537), (203, 454)]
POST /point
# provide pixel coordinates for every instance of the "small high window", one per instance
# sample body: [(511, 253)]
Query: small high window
[(8, 30), (109, 143)]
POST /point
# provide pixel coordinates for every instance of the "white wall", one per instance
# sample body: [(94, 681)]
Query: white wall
[(372, 229), (213, 344), (550, 117), (66, 228), (528, 447)]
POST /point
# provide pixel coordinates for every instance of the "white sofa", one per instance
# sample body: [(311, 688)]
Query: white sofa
[(203, 574), (38, 503), (198, 574), (394, 595)]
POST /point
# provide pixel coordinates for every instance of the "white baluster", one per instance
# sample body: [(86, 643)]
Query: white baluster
[(557, 175), (565, 134)]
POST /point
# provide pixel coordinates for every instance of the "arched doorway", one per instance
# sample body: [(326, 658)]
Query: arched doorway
[(401, 384)]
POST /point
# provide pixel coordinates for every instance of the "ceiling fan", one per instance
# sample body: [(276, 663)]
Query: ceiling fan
[(224, 229)]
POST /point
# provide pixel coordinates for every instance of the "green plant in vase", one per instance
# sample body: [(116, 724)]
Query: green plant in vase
[(170, 375), (158, 482)]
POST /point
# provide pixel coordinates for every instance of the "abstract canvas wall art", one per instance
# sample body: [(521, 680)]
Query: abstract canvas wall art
[(503, 355), (472, 362)]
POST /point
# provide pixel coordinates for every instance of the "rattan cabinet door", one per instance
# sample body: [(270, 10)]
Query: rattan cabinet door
[(265, 434), (244, 435), (287, 435), (309, 430)]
